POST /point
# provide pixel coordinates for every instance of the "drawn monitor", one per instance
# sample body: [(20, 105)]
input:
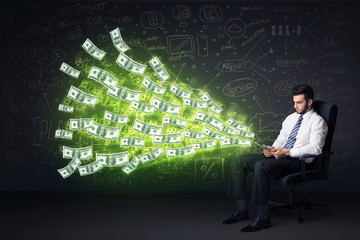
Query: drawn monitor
[(180, 44)]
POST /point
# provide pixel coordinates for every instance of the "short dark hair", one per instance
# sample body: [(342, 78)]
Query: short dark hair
[(303, 89)]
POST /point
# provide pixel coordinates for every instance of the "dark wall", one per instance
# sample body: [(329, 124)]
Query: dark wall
[(248, 56)]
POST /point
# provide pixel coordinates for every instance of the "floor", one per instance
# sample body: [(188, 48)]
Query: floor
[(165, 216)]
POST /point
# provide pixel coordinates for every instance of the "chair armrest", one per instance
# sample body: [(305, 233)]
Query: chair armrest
[(303, 159)]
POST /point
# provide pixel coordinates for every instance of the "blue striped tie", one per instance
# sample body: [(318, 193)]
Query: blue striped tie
[(292, 137)]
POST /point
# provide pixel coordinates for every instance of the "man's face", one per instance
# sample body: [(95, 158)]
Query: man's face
[(301, 105)]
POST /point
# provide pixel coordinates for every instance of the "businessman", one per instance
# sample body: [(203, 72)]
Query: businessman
[(303, 132)]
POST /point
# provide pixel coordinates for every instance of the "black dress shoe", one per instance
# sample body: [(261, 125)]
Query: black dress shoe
[(236, 217), (257, 225)]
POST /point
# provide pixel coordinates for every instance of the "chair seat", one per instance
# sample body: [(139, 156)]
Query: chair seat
[(293, 179)]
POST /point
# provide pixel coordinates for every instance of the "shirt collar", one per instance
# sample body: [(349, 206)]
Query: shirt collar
[(308, 114)]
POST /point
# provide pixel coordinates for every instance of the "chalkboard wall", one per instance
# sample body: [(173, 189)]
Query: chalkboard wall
[(246, 55)]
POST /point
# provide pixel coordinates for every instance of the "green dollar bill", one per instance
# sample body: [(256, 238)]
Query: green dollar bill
[(212, 134), (132, 165), (81, 153), (167, 138), (235, 124), (118, 41), (90, 168), (113, 159), (115, 118), (159, 69), (142, 107), (104, 132), (156, 153), (61, 133), (231, 141), (180, 92), (243, 133), (80, 123), (69, 169), (189, 102), (180, 152), (132, 142), (173, 121), (204, 145), (69, 70), (65, 108), (124, 94), (153, 87), (130, 65), (82, 97), (227, 130), (193, 135), (103, 77), (209, 120), (165, 107), (211, 104), (93, 50), (146, 128)]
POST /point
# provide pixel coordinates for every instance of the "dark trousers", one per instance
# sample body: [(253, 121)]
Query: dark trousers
[(263, 170)]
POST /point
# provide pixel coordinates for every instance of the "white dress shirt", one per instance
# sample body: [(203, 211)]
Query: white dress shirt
[(311, 135)]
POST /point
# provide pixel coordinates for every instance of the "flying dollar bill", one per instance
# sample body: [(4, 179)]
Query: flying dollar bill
[(103, 77), (142, 107), (118, 41), (115, 118), (65, 108), (243, 133), (93, 50), (132, 142), (69, 169), (80, 123), (211, 104), (90, 168), (194, 103), (61, 133), (180, 152), (124, 94), (234, 141), (212, 134), (227, 130), (69, 70), (167, 138), (180, 92), (81, 153), (82, 97), (159, 69), (153, 87), (156, 153), (132, 165), (173, 121), (193, 135), (204, 145), (165, 107), (146, 128), (104, 132), (209, 120), (130, 65), (235, 124), (113, 159)]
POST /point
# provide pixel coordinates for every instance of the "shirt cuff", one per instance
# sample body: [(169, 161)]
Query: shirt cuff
[(294, 153)]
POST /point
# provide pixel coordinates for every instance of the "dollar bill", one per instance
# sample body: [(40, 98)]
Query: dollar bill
[(132, 165), (194, 103), (90, 168), (82, 97), (93, 50), (243, 133), (104, 132), (211, 104), (231, 141), (209, 120), (165, 107), (124, 94), (153, 87), (65, 108), (113, 159), (81, 153), (214, 135), (130, 65), (61, 133), (80, 123), (132, 142), (159, 69), (142, 107), (146, 128), (103, 77), (180, 92), (118, 41), (167, 138), (235, 124), (180, 152), (193, 135), (115, 118), (69, 70), (156, 153), (227, 130), (69, 169), (173, 121), (204, 145)]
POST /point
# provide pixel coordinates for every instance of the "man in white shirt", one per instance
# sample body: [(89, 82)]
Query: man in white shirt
[(303, 132)]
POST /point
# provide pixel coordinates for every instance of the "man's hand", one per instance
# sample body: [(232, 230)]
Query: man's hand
[(280, 153), (268, 153)]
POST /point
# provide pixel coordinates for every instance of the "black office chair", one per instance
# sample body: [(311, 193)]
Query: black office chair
[(317, 170)]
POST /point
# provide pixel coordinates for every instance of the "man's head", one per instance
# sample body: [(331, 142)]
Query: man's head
[(303, 96)]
